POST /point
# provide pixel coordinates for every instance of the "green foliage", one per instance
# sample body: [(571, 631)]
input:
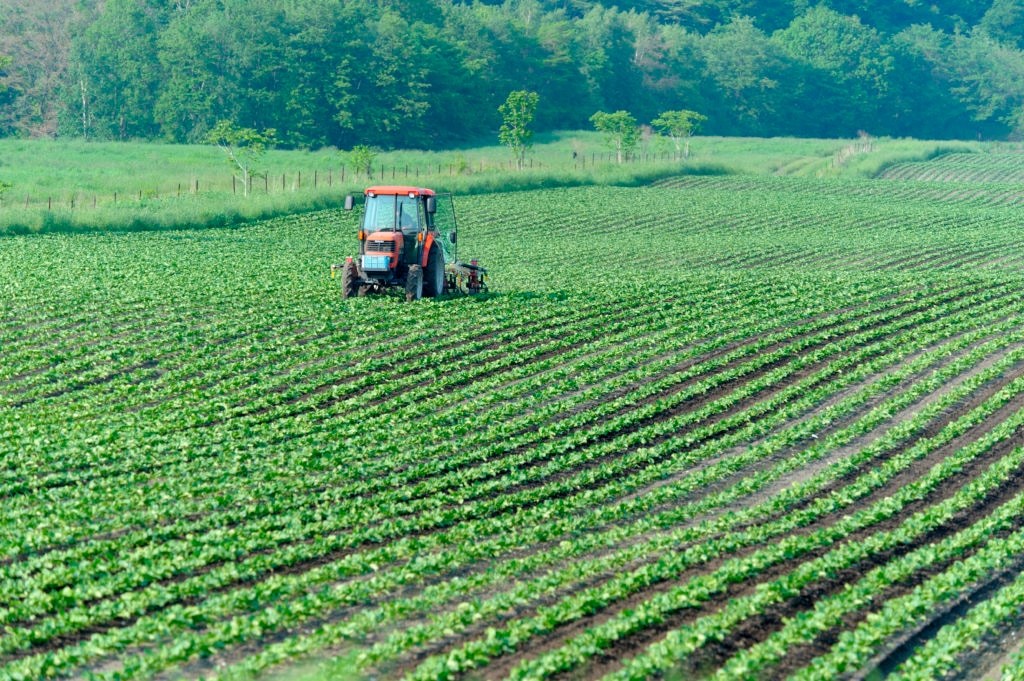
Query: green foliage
[(117, 73), (620, 131), (518, 113), (679, 125), (361, 158), (406, 75), (752, 73), (244, 147), (4, 63), (850, 64), (797, 393), (188, 186), (1004, 21), (252, 471)]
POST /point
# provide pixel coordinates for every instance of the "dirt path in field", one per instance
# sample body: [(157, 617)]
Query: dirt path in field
[(997, 651), (900, 649)]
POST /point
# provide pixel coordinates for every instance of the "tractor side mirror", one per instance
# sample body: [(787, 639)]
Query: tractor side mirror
[(350, 202), (431, 205), (452, 237)]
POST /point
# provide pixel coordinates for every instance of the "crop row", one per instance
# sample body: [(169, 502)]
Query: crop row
[(243, 469)]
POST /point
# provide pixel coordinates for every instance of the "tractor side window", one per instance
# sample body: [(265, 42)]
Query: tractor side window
[(407, 214)]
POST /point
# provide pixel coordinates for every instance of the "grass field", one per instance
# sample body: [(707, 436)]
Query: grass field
[(716, 427), (76, 186)]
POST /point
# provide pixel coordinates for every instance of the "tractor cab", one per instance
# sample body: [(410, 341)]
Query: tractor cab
[(393, 212), (407, 238)]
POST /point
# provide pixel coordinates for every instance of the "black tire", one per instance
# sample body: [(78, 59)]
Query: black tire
[(349, 280), (414, 284), (433, 281)]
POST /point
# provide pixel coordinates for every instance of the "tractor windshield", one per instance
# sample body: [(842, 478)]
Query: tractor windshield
[(390, 212)]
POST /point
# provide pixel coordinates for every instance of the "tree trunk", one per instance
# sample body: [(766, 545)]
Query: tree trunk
[(85, 110)]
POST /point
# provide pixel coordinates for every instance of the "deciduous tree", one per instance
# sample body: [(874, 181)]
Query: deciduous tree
[(849, 65), (244, 147), (362, 157), (746, 68), (1004, 21), (37, 35), (518, 112), (115, 67), (620, 130), (679, 126)]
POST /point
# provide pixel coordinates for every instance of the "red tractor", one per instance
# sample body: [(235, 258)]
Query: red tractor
[(407, 239)]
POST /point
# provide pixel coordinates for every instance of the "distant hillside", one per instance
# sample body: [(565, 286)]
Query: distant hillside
[(423, 73)]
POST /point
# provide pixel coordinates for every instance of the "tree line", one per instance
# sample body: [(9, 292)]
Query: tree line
[(427, 73)]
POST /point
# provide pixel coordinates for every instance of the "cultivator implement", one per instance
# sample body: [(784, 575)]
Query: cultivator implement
[(471, 278)]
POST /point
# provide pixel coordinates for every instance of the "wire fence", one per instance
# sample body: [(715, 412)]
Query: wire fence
[(319, 179)]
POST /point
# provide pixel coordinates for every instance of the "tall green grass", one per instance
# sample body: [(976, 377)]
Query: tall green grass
[(78, 186)]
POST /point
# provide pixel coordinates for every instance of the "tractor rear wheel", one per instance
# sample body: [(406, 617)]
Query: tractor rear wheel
[(349, 280), (414, 283), (433, 282)]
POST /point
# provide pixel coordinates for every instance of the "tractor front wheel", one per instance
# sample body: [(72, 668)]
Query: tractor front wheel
[(414, 284), (349, 280), (433, 282)]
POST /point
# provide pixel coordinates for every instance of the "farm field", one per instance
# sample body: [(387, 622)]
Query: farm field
[(717, 427), (61, 186)]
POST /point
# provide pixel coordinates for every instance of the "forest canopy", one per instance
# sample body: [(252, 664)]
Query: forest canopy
[(425, 73)]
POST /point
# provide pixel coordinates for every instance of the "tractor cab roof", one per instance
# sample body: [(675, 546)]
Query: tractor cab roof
[(398, 191)]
